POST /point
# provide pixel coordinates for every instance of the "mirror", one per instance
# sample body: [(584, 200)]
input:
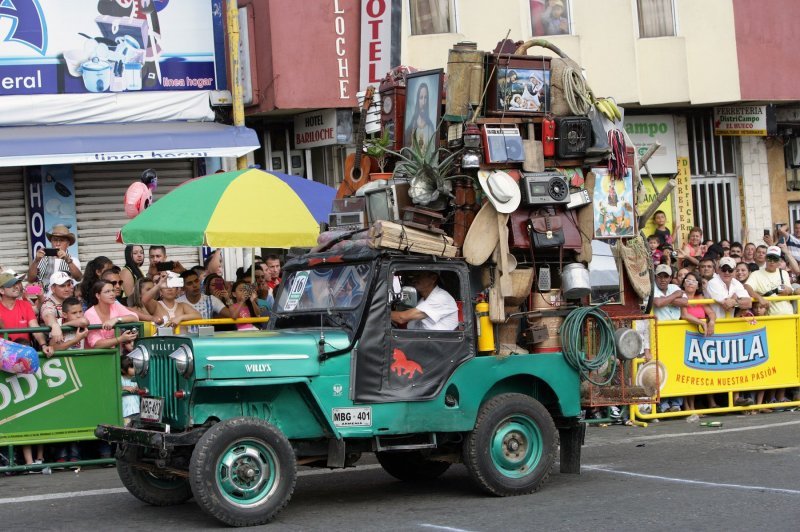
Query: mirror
[(402, 296), (604, 275)]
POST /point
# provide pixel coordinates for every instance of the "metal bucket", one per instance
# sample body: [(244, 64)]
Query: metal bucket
[(575, 281)]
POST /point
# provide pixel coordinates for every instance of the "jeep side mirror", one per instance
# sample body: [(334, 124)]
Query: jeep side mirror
[(408, 297)]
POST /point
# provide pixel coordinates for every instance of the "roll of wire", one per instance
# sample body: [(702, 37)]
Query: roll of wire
[(573, 341)]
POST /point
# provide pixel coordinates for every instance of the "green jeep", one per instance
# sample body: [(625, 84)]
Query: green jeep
[(228, 418)]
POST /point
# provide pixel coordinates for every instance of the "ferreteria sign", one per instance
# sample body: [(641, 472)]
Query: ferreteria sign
[(740, 120)]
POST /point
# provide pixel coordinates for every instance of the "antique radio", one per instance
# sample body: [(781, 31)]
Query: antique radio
[(574, 136), (349, 204), (543, 188), (347, 221), (502, 143)]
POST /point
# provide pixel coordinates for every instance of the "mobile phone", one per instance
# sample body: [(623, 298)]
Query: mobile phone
[(165, 266), (217, 284), (50, 252), (782, 240), (175, 282), (766, 232)]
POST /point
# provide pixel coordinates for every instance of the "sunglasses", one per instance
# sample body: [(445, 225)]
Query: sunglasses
[(116, 283), (773, 258), (690, 281), (726, 269)]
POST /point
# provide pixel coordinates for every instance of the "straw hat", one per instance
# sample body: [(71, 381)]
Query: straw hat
[(482, 236), (501, 189), (646, 376), (63, 231)]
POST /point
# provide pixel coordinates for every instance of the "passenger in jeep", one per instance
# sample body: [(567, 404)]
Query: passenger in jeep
[(436, 310)]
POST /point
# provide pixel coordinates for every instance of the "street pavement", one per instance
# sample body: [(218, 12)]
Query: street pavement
[(669, 476)]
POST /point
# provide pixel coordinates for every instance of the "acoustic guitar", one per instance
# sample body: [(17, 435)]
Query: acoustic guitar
[(357, 165)]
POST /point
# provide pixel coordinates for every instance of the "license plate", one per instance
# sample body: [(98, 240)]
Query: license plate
[(151, 409), (352, 417)]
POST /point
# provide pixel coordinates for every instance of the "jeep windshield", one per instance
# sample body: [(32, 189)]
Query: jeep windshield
[(328, 288)]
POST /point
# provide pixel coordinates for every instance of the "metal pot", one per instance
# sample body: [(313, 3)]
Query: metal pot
[(575, 281), (96, 75)]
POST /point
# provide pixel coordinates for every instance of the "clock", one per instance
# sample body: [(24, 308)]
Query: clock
[(393, 104)]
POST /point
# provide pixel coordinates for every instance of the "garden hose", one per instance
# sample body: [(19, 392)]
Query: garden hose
[(573, 341)]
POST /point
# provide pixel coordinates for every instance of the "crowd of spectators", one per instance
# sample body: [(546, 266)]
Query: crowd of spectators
[(57, 293)]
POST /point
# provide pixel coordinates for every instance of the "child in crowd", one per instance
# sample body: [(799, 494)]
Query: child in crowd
[(245, 305), (653, 243), (662, 231), (72, 316), (130, 395)]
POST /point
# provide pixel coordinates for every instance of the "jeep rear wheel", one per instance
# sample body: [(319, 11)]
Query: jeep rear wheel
[(512, 448), (243, 471), (411, 466), (153, 488)]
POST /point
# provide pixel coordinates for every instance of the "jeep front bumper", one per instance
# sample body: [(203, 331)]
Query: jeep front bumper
[(157, 439)]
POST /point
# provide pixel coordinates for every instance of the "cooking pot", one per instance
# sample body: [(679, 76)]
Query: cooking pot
[(96, 75), (575, 281)]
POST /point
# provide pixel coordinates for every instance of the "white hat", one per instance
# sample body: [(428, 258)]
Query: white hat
[(60, 278), (649, 379), (501, 189), (774, 250), (727, 261), (663, 268)]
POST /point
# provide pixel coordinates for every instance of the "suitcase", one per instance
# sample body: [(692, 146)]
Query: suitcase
[(519, 237)]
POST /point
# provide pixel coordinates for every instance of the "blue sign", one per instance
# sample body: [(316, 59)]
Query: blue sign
[(95, 46), (51, 196), (726, 351)]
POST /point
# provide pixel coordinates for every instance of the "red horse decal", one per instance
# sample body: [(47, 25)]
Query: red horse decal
[(403, 366)]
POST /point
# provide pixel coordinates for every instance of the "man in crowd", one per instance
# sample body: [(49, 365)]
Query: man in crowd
[(62, 286), (728, 293), (273, 271), (17, 313), (736, 251), (157, 255), (436, 309), (112, 276), (667, 302), (792, 240), (760, 257), (208, 306), (43, 265), (706, 268)]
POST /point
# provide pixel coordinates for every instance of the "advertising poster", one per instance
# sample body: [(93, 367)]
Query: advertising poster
[(94, 46), (51, 194)]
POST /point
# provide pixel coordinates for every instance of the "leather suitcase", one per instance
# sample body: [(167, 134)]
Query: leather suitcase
[(520, 239)]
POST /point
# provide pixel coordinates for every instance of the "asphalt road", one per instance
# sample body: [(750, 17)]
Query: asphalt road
[(668, 476)]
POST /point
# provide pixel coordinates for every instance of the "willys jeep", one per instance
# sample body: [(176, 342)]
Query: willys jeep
[(228, 418)]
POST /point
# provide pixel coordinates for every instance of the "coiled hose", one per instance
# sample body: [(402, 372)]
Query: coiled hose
[(573, 341)]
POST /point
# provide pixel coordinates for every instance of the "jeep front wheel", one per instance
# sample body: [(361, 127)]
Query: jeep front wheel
[(411, 466), (243, 471), (153, 488), (512, 448)]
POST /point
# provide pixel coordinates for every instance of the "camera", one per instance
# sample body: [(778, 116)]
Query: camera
[(174, 282), (674, 254), (165, 266), (50, 252)]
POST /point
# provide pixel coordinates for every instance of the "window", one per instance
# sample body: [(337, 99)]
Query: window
[(430, 16), (550, 17), (656, 18)]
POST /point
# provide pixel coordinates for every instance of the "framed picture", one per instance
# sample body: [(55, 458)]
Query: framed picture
[(277, 163), (423, 106), (520, 86), (613, 205)]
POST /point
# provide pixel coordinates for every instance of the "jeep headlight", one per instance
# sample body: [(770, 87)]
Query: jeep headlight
[(184, 360), (141, 360)]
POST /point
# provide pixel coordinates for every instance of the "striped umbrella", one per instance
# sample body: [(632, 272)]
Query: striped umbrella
[(244, 208)]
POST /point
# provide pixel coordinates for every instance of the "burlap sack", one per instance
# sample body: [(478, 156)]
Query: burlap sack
[(638, 264)]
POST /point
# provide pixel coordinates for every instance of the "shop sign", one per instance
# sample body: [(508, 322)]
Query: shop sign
[(378, 56), (649, 198), (645, 130), (91, 46), (322, 128), (740, 120), (684, 209), (51, 201)]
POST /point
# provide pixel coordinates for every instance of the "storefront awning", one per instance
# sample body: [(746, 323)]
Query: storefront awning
[(95, 143)]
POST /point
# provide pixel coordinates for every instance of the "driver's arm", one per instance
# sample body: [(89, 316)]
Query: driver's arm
[(401, 317)]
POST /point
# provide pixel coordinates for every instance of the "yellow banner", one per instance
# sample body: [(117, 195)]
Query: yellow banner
[(684, 210), (650, 196), (739, 356)]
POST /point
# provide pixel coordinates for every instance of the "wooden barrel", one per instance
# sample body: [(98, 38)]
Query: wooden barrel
[(548, 300)]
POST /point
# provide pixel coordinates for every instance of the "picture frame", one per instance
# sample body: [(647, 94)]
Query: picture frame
[(520, 86), (614, 213), (423, 93), (277, 163)]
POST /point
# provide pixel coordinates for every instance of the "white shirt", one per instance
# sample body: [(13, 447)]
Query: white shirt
[(717, 291), (441, 311), (207, 305), (668, 312)]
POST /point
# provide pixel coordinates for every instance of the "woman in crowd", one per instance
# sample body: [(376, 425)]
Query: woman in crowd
[(94, 270), (692, 251), (700, 315), (741, 272), (108, 312), (142, 299), (245, 305), (171, 313), (132, 272)]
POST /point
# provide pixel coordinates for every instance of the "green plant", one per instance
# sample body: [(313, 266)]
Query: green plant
[(377, 147), (429, 168)]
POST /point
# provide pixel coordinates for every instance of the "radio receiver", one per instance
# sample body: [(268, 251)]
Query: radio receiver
[(544, 188)]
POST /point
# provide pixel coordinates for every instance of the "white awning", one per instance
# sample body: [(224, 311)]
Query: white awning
[(94, 143)]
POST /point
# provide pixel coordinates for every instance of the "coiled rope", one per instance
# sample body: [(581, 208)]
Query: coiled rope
[(577, 92), (573, 341)]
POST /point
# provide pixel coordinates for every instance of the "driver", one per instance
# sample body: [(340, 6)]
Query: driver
[(436, 310)]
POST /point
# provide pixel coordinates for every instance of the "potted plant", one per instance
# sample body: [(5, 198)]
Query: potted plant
[(430, 170), (378, 149)]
